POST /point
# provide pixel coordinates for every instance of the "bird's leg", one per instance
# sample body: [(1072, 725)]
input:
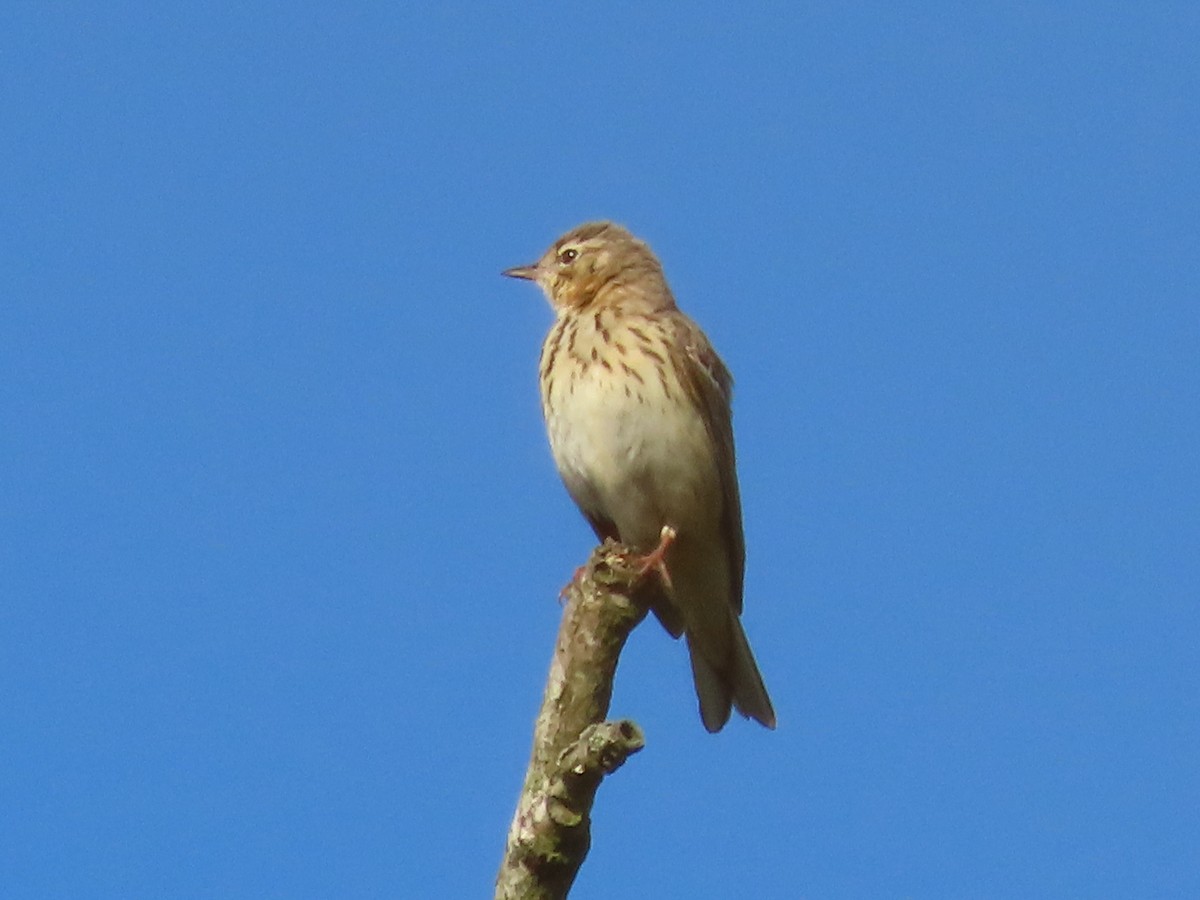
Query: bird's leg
[(656, 559), (575, 580)]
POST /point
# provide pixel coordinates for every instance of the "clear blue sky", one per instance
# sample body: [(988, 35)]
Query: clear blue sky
[(280, 537)]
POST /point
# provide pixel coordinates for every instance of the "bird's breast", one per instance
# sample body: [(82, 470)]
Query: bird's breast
[(628, 441)]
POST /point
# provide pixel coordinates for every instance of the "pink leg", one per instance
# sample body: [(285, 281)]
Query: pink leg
[(575, 579), (656, 559)]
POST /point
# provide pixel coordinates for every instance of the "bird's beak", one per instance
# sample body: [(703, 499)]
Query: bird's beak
[(529, 273)]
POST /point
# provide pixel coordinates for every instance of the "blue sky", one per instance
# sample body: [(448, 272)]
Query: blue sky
[(280, 537)]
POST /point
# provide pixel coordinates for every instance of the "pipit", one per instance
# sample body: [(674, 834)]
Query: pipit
[(637, 406)]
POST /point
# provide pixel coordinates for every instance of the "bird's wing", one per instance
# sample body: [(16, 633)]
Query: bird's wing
[(710, 387)]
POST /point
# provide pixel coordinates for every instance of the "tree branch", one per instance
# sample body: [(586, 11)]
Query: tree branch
[(573, 747)]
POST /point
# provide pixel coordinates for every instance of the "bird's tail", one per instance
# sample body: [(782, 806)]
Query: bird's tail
[(737, 683)]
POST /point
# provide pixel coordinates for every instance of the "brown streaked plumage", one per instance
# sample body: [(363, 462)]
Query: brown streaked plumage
[(637, 406)]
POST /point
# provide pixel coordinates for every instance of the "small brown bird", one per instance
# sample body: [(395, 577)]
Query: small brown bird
[(637, 405)]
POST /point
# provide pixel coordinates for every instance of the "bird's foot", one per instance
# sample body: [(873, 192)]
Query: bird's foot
[(575, 580), (656, 559), (634, 565)]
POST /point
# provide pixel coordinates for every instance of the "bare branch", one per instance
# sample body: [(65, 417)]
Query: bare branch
[(573, 747)]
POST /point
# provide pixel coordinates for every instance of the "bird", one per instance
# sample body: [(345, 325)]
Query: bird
[(637, 406)]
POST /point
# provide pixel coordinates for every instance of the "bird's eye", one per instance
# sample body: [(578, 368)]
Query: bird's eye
[(568, 255)]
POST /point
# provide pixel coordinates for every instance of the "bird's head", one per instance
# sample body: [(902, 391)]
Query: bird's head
[(581, 267)]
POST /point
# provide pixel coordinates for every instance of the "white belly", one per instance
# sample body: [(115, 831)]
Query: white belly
[(641, 460)]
